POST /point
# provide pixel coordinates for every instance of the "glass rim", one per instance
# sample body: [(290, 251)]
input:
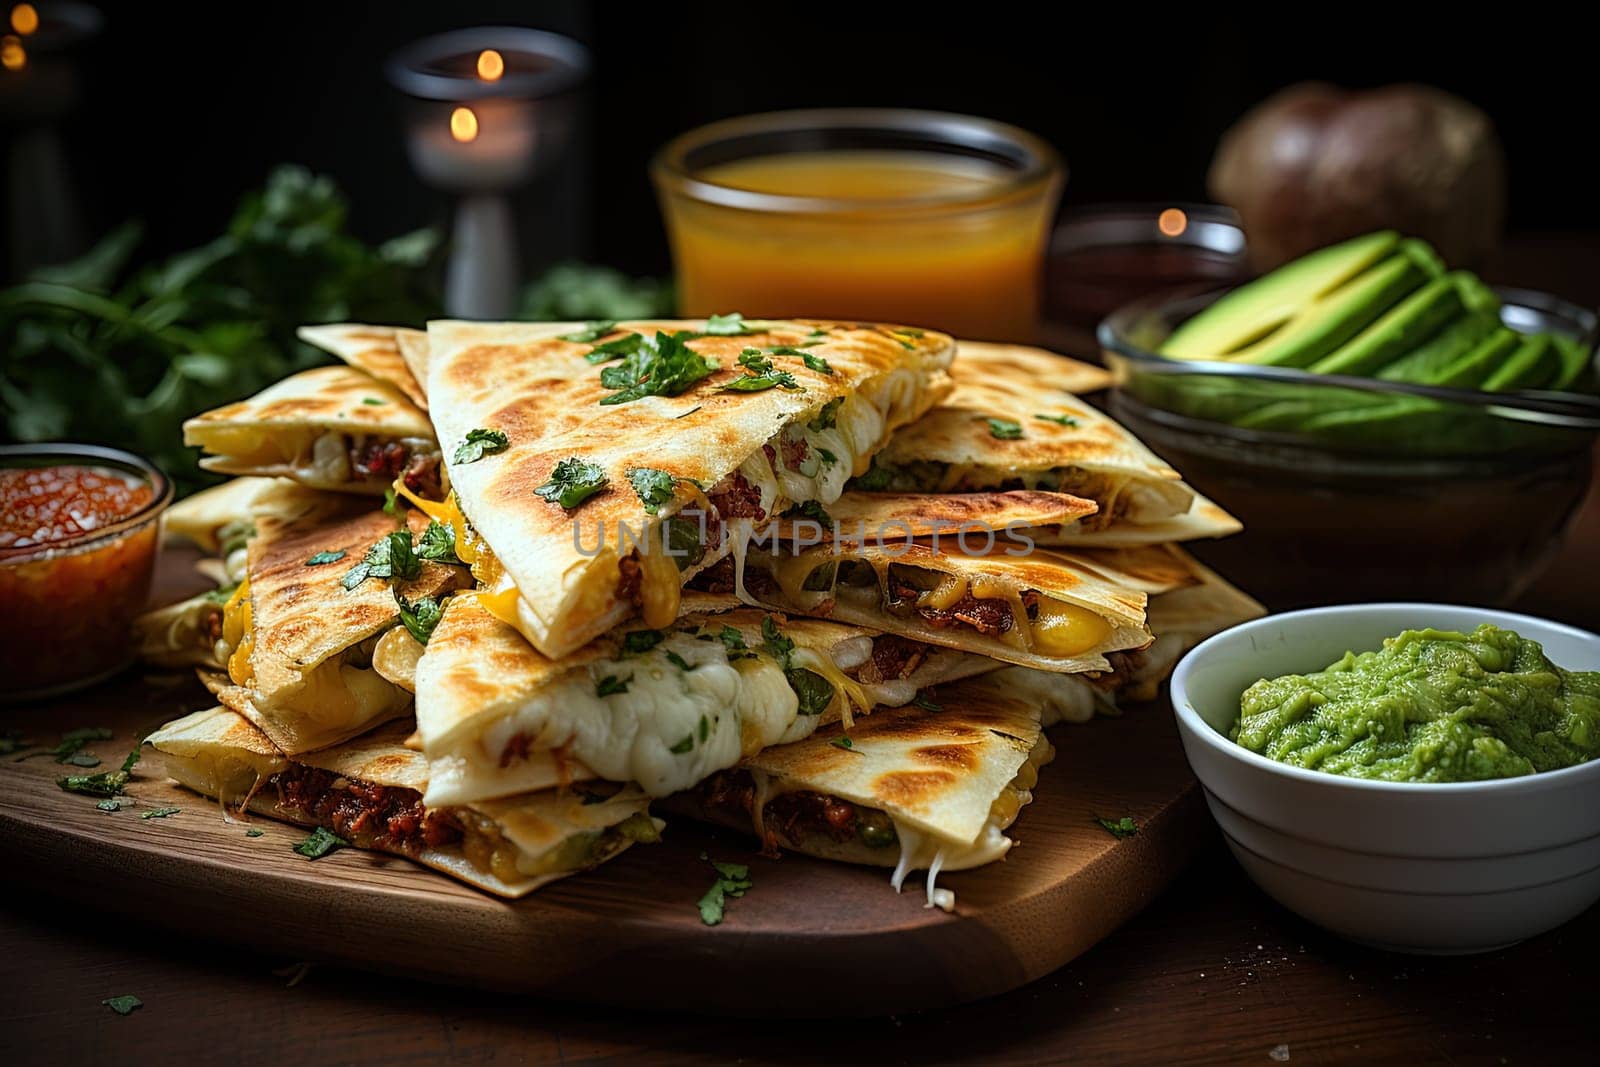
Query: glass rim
[(1041, 166), (69, 454)]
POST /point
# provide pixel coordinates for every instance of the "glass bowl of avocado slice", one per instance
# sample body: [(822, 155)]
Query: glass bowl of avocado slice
[(1383, 426)]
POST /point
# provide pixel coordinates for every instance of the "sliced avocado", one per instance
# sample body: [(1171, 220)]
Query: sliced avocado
[(1446, 346), (1398, 331), (1532, 364), (1254, 310), (1575, 360), (1328, 323), (1470, 370)]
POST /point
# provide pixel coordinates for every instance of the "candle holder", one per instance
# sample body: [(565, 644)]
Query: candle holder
[(39, 85), (487, 110)]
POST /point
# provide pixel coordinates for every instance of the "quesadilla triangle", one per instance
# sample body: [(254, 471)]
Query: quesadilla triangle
[(1180, 618), (377, 350), (330, 428), (929, 788), (298, 634), (662, 708), (988, 593), (596, 473), (221, 519), (1010, 424), (369, 793)]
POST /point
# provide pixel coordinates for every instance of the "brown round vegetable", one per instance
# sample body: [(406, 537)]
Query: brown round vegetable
[(1315, 164)]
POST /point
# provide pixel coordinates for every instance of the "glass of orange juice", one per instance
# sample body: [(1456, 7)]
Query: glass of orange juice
[(913, 217)]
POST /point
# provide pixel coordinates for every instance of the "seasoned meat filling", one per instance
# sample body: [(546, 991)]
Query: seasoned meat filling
[(373, 816)]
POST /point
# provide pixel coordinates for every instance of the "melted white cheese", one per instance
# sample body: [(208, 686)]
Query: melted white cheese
[(742, 707)]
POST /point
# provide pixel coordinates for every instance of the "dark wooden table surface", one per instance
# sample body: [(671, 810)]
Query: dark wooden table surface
[(1214, 971)]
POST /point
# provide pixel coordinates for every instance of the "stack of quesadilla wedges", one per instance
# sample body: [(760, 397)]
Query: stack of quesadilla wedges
[(825, 582)]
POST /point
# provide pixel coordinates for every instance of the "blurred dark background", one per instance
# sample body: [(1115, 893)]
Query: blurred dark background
[(188, 105)]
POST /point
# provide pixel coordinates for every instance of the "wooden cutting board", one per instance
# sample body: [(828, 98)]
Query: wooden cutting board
[(811, 938)]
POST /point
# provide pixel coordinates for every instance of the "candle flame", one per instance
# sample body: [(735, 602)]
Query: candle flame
[(491, 65), (12, 55), (463, 125), (1172, 222), (24, 19)]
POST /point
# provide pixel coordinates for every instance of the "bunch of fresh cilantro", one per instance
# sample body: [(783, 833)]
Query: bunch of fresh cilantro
[(97, 350)]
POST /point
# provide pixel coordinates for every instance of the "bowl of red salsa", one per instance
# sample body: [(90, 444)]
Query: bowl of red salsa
[(79, 532)]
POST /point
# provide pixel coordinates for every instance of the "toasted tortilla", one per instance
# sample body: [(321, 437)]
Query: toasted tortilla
[(298, 690), (950, 777), (524, 381), (219, 754), (1109, 587), (374, 349), (1204, 519), (302, 428), (954, 448), (497, 718), (201, 517)]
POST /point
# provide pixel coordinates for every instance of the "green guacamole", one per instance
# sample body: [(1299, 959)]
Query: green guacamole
[(1430, 706)]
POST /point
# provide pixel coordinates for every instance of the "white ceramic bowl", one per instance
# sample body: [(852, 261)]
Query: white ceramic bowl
[(1413, 867)]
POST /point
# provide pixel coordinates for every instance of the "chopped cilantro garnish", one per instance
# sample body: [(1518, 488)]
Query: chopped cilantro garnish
[(814, 691), (592, 330), (104, 784), (389, 557), (1123, 827), (124, 1004), (678, 661), (760, 374), (572, 481), (480, 443), (733, 880), (705, 729), (419, 616), (159, 813), (774, 643), (826, 417), (809, 509), (733, 641), (816, 363), (636, 642), (654, 487), (321, 842), (842, 742), (755, 361), (320, 558), (926, 703), (625, 345), (115, 803), (827, 457), (1004, 429), (876, 479), (1059, 420), (728, 325), (222, 593), (683, 746), (253, 832), (391, 502), (610, 685), (373, 401), (438, 543), (667, 367)]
